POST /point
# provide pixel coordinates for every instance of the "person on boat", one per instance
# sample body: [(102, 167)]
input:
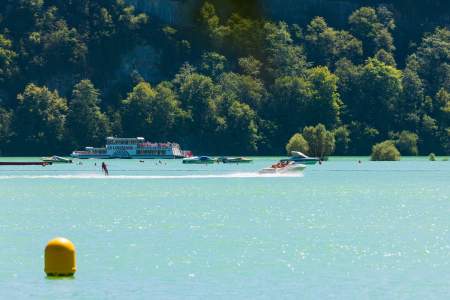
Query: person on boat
[(105, 169)]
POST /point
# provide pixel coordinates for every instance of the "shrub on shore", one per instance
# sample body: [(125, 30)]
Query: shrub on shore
[(385, 151), (432, 157), (297, 143)]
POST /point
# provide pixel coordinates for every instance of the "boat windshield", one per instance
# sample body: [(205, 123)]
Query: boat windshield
[(299, 154)]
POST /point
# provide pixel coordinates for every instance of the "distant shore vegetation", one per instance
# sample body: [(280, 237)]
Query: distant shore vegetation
[(232, 84)]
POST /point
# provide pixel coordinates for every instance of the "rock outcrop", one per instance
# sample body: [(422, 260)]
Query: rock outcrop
[(182, 12), (174, 12)]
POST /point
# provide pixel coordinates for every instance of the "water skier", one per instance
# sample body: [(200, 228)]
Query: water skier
[(105, 169)]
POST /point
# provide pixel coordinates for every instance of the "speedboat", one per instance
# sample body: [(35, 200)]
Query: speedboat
[(299, 157), (56, 159), (199, 160), (284, 167), (235, 160)]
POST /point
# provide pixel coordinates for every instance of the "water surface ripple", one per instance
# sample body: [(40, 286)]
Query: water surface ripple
[(170, 231)]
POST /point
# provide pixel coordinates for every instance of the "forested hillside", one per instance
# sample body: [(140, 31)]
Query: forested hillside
[(235, 82)]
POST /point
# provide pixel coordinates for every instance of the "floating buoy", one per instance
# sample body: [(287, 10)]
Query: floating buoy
[(60, 258)]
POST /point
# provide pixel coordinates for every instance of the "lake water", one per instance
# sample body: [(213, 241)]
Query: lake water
[(343, 230)]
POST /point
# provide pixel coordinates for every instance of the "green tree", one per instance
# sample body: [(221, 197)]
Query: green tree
[(200, 99), (237, 36), (151, 112), (38, 121), (250, 66), (166, 113), (284, 58), (406, 143), (362, 136), (342, 137), (86, 125), (210, 23), (433, 57), (373, 29), (385, 57), (8, 65), (385, 151), (321, 141), (290, 100), (137, 110), (325, 45), (429, 132), (376, 93), (301, 101), (325, 104), (297, 143), (241, 128), (245, 88), (63, 46), (244, 36), (5, 128), (213, 64), (412, 102)]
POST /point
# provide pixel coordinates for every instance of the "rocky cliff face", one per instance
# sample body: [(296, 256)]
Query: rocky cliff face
[(174, 12), (182, 12)]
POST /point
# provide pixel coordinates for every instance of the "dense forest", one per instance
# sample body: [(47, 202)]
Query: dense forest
[(233, 83)]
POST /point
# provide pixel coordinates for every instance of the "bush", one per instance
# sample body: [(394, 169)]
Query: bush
[(297, 143), (432, 157), (385, 151), (407, 143)]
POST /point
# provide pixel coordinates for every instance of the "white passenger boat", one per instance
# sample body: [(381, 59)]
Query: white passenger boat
[(132, 148)]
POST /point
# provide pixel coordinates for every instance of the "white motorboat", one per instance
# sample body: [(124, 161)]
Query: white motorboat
[(199, 160), (283, 167), (56, 159)]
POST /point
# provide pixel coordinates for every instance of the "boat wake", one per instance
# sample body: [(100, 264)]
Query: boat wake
[(142, 177)]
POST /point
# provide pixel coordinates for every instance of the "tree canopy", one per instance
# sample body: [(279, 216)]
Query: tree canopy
[(73, 72)]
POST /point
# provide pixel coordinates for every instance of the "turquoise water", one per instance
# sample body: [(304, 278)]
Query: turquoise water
[(343, 230)]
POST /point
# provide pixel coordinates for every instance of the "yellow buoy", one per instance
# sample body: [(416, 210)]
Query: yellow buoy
[(60, 257)]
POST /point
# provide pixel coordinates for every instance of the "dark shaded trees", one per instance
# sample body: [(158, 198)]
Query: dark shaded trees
[(86, 125), (38, 121), (373, 27)]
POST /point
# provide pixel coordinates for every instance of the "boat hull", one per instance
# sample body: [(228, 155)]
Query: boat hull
[(236, 161), (311, 161), (290, 169), (198, 162)]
